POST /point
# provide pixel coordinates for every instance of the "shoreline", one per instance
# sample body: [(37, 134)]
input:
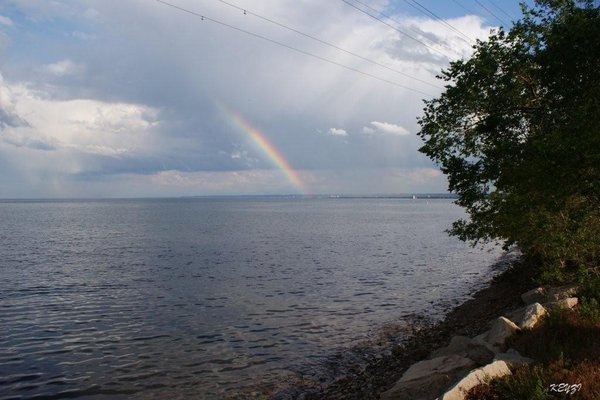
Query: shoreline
[(501, 294)]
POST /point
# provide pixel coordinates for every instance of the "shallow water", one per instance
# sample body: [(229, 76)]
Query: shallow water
[(203, 297)]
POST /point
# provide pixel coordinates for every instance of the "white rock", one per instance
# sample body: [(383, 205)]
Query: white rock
[(533, 315), (534, 296), (482, 340), (561, 292), (516, 315), (567, 303), (427, 379), (476, 377), (513, 359), (502, 328), (458, 344), (438, 365), (466, 347)]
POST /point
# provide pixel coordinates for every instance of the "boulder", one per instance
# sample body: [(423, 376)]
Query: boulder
[(466, 347), (458, 344), (513, 359), (482, 340), (501, 329), (476, 377), (427, 379), (566, 304), (516, 315), (561, 292), (533, 315), (536, 295)]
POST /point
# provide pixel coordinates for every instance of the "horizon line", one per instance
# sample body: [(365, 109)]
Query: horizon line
[(208, 196)]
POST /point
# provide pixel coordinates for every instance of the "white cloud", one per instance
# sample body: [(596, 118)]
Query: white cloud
[(385, 128), (368, 130), (337, 132), (105, 96), (5, 21), (64, 68), (8, 114), (34, 120), (83, 35)]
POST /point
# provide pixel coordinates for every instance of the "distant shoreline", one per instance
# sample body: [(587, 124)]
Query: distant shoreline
[(415, 196)]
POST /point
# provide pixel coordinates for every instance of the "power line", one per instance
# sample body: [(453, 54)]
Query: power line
[(491, 13), (256, 35), (394, 28), (497, 7), (427, 11), (399, 23), (464, 8), (246, 11)]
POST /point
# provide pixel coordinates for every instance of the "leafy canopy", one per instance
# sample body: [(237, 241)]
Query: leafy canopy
[(516, 131)]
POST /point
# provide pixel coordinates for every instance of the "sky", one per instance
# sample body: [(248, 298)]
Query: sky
[(138, 98)]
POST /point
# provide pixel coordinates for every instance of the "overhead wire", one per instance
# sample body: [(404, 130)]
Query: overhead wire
[(415, 4), (246, 11), (256, 35), (395, 28), (497, 7), (491, 12), (390, 18), (463, 7)]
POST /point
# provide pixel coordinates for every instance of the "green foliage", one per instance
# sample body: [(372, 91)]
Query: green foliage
[(590, 286), (589, 309), (589, 297), (528, 386), (534, 382), (516, 131)]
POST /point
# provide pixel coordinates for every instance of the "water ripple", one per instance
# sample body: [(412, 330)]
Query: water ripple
[(179, 299)]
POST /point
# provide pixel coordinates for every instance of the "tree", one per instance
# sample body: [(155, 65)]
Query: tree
[(516, 131)]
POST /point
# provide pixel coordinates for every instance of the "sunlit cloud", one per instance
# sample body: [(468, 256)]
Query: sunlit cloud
[(337, 132), (104, 96), (65, 67)]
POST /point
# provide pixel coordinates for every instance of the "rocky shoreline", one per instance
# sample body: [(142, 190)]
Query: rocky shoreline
[(451, 372), (502, 296)]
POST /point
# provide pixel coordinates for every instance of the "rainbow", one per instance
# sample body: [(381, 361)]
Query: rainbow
[(263, 144)]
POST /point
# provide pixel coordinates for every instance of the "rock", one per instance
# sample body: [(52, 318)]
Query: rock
[(516, 315), (482, 340), (513, 359), (466, 347), (442, 365), (427, 379), (502, 328), (536, 295), (533, 315), (566, 304), (458, 344), (476, 377), (561, 292), (479, 353)]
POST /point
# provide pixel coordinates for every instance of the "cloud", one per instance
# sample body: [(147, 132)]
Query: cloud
[(337, 132), (5, 21), (367, 130), (65, 67), (82, 126), (385, 128), (442, 43), (32, 143), (118, 100), (8, 115)]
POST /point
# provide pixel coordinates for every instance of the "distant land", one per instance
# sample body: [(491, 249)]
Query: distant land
[(255, 196), (340, 196)]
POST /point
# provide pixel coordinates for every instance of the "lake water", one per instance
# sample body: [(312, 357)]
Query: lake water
[(200, 298)]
